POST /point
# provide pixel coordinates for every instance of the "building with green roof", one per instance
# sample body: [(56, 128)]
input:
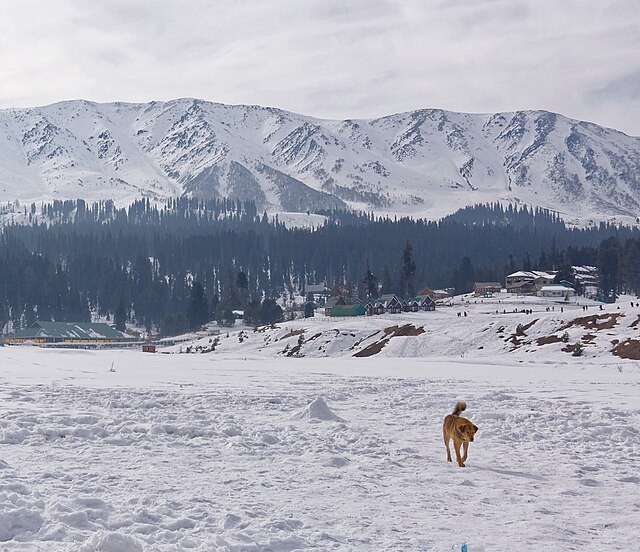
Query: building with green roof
[(356, 309), (67, 332)]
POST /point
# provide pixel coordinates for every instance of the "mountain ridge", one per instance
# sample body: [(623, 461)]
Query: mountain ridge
[(426, 162)]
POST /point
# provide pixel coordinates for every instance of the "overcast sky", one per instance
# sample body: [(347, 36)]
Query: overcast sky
[(330, 58)]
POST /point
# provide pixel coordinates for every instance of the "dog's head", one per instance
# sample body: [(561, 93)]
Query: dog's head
[(468, 430)]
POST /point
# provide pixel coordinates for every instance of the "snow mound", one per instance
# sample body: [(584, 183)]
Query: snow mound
[(317, 409), (20, 521), (105, 541)]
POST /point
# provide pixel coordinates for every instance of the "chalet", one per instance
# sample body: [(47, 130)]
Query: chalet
[(426, 303), (391, 303), (556, 292), (410, 305), (486, 289), (374, 307), (385, 303), (68, 333)]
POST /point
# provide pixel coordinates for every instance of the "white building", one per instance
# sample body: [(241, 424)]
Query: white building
[(556, 292)]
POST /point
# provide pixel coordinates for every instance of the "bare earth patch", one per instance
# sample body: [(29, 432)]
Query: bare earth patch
[(514, 338), (293, 333), (408, 330), (549, 339), (595, 321), (628, 349)]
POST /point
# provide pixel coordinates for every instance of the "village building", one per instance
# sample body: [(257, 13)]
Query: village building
[(333, 302), (486, 289), (436, 294), (356, 309), (72, 333), (391, 303), (386, 304), (319, 292), (586, 280), (419, 303), (556, 292), (374, 307), (528, 282)]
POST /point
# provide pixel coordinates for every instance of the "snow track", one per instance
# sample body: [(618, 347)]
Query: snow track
[(235, 456)]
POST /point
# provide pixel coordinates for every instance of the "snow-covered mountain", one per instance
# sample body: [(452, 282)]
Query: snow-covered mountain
[(424, 163)]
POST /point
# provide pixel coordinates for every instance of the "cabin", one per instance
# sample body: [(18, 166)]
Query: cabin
[(419, 303), (426, 303), (391, 303), (374, 307), (148, 348), (47, 333), (388, 303), (410, 305)]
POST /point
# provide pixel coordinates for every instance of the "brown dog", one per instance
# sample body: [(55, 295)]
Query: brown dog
[(460, 430)]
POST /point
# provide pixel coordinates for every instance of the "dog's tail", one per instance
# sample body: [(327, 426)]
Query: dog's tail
[(460, 406)]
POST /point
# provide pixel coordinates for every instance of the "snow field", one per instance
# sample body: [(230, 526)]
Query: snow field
[(206, 452)]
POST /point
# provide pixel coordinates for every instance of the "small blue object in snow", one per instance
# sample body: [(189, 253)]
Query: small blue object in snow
[(463, 548)]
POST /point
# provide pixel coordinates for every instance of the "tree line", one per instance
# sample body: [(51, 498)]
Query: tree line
[(176, 266)]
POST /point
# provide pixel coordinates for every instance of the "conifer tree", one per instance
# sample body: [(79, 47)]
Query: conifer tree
[(408, 271)]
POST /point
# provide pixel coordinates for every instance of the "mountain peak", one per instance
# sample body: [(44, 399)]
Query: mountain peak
[(425, 162)]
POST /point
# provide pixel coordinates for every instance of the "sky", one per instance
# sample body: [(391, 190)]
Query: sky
[(330, 58)]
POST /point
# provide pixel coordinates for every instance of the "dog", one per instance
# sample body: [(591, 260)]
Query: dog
[(461, 431)]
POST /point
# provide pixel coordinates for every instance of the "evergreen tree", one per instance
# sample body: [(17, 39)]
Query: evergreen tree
[(608, 262), (197, 307), (309, 310), (242, 282), (630, 266), (370, 284), (271, 312), (387, 283), (120, 317), (464, 276), (408, 271), (174, 324), (224, 314)]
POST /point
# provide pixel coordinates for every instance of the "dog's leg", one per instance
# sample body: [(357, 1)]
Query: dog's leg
[(456, 447), (465, 447), (446, 444)]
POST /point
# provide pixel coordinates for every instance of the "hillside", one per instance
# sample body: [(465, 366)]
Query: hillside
[(424, 163), (500, 327)]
